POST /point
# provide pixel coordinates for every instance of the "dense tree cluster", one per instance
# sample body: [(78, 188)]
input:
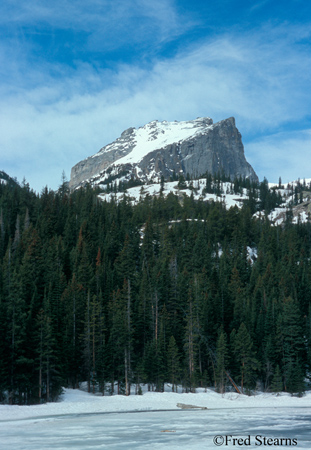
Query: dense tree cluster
[(187, 293)]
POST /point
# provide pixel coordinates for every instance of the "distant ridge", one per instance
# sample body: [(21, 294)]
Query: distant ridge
[(6, 179)]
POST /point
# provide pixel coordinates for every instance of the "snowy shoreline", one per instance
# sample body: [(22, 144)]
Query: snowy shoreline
[(75, 401)]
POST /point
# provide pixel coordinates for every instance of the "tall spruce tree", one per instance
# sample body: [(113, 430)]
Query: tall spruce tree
[(173, 363), (246, 356), (221, 362)]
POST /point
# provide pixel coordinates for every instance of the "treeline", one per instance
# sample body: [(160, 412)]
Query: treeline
[(260, 196), (117, 294)]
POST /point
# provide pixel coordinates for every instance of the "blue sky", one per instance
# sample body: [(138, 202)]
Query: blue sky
[(75, 74)]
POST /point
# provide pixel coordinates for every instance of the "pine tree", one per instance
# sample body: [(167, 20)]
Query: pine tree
[(87, 352), (190, 345), (295, 377), (121, 336), (16, 339), (173, 362), (49, 382), (277, 382), (73, 300), (238, 296), (245, 354), (290, 342), (221, 362)]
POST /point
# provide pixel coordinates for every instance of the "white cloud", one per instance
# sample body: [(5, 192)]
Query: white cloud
[(285, 154), (259, 5), (50, 123), (103, 25)]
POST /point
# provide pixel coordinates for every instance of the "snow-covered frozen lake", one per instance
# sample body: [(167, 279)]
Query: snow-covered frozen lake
[(82, 421)]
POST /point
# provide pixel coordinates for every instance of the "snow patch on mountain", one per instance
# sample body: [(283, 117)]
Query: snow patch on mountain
[(156, 135), (295, 208), (296, 205), (193, 188)]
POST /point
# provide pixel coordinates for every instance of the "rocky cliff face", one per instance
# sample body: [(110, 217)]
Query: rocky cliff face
[(160, 148)]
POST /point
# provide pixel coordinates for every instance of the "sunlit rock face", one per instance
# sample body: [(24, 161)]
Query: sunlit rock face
[(158, 149)]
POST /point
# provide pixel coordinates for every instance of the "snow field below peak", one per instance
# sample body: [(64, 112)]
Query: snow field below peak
[(138, 193), (157, 135)]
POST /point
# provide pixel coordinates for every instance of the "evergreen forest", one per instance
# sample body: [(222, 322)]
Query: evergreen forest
[(164, 291)]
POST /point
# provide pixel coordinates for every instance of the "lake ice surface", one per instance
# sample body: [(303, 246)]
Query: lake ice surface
[(76, 424)]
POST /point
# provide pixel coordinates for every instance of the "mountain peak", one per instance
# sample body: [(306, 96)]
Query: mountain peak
[(160, 148)]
